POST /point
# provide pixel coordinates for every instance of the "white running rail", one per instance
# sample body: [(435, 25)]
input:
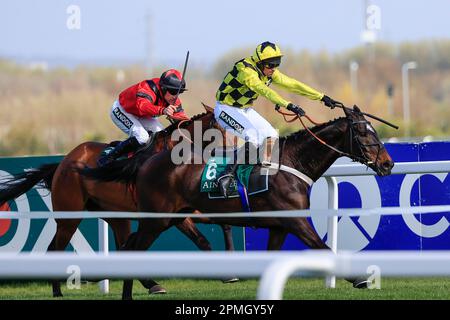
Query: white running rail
[(275, 267)]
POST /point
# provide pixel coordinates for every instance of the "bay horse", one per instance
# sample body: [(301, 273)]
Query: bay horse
[(73, 192), (304, 151)]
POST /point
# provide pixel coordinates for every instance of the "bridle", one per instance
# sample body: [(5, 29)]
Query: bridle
[(353, 137), (361, 146)]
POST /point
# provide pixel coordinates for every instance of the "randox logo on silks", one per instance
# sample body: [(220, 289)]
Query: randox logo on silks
[(231, 122), (122, 118)]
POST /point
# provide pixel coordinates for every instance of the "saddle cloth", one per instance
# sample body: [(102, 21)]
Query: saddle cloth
[(252, 177)]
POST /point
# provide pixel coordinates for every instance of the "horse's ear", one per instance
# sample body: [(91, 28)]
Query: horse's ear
[(347, 111), (355, 108), (208, 108)]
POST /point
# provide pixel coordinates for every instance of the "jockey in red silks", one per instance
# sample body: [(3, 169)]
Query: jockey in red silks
[(138, 107)]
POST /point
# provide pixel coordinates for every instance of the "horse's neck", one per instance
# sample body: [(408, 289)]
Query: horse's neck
[(313, 158)]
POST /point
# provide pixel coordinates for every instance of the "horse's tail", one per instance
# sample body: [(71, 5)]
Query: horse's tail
[(11, 188)]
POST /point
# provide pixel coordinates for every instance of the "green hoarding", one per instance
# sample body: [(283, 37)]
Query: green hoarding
[(36, 234)]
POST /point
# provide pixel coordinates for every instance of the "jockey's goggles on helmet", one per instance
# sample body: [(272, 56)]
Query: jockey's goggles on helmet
[(272, 65), (174, 91)]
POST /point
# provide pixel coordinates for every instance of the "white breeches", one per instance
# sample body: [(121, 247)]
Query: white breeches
[(245, 123), (132, 125)]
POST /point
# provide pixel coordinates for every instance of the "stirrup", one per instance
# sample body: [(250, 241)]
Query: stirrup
[(266, 164), (230, 175), (224, 185)]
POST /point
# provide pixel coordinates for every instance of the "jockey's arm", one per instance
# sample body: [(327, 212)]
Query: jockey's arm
[(250, 79), (177, 112), (295, 86), (145, 104)]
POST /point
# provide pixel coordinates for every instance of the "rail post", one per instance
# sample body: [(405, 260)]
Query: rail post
[(103, 249), (332, 226)]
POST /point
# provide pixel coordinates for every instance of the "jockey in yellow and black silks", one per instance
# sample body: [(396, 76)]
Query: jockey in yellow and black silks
[(249, 79)]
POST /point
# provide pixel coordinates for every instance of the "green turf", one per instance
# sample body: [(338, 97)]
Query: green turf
[(181, 289)]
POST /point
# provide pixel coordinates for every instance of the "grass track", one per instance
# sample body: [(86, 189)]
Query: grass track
[(183, 289)]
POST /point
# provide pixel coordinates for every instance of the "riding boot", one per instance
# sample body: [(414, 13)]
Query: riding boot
[(226, 180), (228, 177), (124, 147)]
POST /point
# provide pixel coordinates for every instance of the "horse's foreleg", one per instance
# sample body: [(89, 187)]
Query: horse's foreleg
[(141, 240), (122, 230), (305, 232), (189, 229), (276, 238), (229, 246), (227, 237)]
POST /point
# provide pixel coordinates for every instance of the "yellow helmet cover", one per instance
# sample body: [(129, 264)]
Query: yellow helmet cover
[(266, 51)]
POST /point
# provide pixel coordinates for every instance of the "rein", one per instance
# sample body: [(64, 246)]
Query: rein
[(363, 160), (341, 105), (296, 116), (181, 132)]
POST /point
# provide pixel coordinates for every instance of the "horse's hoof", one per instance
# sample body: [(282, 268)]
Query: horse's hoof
[(361, 284), (230, 280), (57, 295), (157, 289)]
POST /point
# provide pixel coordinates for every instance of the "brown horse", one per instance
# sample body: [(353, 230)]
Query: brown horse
[(352, 136), (73, 192)]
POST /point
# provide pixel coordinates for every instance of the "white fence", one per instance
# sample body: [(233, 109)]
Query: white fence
[(332, 213), (275, 267), (360, 170)]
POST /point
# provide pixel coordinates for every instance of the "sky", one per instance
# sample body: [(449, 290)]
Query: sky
[(117, 30)]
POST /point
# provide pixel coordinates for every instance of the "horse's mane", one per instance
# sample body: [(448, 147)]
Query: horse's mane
[(126, 170)]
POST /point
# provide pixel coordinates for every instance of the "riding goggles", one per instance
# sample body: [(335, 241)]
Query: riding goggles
[(272, 65), (174, 91)]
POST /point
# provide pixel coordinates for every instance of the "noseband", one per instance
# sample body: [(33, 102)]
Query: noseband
[(362, 146)]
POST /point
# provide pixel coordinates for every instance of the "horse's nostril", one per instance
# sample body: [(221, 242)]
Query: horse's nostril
[(388, 164)]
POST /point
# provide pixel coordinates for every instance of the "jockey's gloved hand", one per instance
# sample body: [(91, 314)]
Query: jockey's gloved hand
[(296, 109), (170, 110), (329, 102)]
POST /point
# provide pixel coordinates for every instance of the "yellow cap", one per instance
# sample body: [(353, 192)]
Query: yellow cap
[(266, 50)]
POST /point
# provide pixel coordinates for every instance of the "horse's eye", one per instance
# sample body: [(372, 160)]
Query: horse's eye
[(362, 129)]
